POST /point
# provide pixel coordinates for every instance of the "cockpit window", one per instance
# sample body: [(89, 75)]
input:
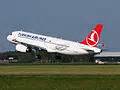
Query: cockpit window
[(10, 33)]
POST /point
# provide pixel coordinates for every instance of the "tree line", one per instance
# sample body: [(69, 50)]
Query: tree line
[(44, 57)]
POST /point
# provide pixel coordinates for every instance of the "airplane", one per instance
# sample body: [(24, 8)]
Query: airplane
[(25, 41)]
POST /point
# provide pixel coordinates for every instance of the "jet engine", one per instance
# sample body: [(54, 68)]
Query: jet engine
[(21, 48)]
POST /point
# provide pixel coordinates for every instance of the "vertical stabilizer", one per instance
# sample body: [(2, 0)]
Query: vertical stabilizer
[(93, 37)]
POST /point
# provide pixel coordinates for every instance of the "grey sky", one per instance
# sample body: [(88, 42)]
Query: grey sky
[(70, 19)]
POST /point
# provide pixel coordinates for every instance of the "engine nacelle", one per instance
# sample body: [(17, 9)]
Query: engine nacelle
[(21, 48)]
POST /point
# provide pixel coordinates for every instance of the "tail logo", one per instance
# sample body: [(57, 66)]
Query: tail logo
[(92, 39)]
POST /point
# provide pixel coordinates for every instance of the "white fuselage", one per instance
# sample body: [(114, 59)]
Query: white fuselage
[(51, 44)]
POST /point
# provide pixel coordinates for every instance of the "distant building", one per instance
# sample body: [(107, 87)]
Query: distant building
[(108, 57)]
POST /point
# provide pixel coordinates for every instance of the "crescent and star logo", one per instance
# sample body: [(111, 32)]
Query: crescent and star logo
[(92, 39)]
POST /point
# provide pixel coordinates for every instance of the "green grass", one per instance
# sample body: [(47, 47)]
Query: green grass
[(62, 82), (60, 70), (60, 77)]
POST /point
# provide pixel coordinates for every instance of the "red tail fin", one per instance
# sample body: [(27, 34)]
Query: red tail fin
[(94, 36)]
